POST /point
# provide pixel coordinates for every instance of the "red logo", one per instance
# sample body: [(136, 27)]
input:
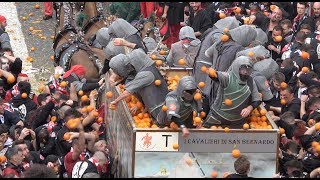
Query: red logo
[(147, 143)]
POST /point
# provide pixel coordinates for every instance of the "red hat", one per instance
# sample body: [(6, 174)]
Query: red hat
[(22, 75), (2, 19), (77, 69)]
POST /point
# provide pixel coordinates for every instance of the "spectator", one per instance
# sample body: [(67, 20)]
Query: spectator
[(4, 37), (276, 80), (199, 19), (173, 12), (48, 10), (274, 20), (302, 17), (22, 105), (43, 111), (52, 161), (14, 166), (286, 26), (4, 131), (99, 159), (8, 118), (147, 8), (274, 45), (39, 171), (242, 168)]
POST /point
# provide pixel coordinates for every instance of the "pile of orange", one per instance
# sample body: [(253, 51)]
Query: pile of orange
[(258, 119)]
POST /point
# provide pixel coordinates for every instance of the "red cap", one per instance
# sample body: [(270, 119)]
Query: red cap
[(2, 19), (77, 69), (22, 75)]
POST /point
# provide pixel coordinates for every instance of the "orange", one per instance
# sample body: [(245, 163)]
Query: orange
[(52, 37), (162, 52), (237, 10), (197, 96), (224, 38), (197, 120), (24, 18), (222, 15), (140, 105), (278, 38), (3, 159), (213, 127), (63, 84), (263, 112), (251, 54), (153, 57), (41, 88), (212, 73), (66, 136), (113, 107), (245, 126), (54, 118), (214, 174), (225, 30), (158, 62), (202, 114), (84, 98), (228, 102), (109, 94), (175, 146), (157, 82), (90, 108), (283, 85), (305, 55), (51, 58), (95, 114), (11, 79), (30, 14), (226, 129), (164, 108), (201, 84), (282, 131), (140, 116), (263, 118), (80, 93), (204, 69), (225, 174), (283, 102), (84, 110), (317, 126), (181, 62), (314, 143), (174, 126), (273, 7), (32, 49), (24, 95), (305, 69), (37, 6), (31, 28), (189, 161), (154, 126), (317, 148), (100, 120), (236, 153), (311, 122)]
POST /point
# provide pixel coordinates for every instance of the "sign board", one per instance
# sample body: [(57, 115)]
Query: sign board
[(156, 141), (247, 142)]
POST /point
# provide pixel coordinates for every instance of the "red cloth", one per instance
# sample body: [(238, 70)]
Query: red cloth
[(77, 69), (9, 170), (147, 8), (2, 19), (69, 163), (48, 6), (22, 75), (174, 35)]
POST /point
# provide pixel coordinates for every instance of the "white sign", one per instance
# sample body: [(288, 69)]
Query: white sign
[(156, 141)]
